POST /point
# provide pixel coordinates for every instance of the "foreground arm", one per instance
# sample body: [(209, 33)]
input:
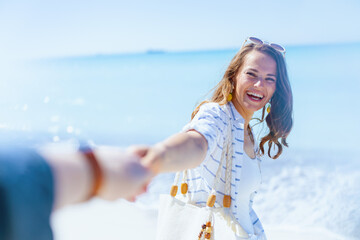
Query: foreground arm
[(123, 175), (33, 184)]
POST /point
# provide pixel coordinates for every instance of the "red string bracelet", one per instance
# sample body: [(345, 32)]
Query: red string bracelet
[(96, 169)]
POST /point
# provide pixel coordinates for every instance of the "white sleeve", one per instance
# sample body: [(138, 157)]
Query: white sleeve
[(210, 122)]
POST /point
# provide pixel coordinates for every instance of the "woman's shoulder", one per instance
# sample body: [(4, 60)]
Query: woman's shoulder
[(214, 109)]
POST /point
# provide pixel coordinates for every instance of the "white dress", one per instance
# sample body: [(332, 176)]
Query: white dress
[(250, 182), (211, 121)]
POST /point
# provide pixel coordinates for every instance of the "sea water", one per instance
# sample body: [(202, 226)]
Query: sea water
[(143, 98)]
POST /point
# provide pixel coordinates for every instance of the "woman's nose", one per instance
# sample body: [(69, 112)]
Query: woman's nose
[(259, 82)]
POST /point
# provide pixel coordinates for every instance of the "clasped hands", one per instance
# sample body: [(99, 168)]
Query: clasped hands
[(126, 174), (179, 152)]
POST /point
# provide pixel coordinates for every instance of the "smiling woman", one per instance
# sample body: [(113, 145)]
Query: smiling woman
[(219, 137)]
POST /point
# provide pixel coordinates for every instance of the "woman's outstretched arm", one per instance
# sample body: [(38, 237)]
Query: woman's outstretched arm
[(180, 151), (189, 148)]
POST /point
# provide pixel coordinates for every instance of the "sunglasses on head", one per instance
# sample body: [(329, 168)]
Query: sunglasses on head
[(258, 41)]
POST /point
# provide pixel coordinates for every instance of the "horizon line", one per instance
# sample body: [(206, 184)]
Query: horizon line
[(159, 51)]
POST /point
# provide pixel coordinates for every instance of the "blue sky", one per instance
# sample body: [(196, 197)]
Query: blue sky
[(37, 29)]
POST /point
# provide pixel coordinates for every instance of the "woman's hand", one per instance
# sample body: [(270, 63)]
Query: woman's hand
[(151, 157)]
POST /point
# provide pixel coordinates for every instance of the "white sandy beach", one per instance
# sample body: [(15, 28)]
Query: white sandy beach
[(123, 220)]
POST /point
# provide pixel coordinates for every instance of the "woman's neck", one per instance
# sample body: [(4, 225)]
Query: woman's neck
[(245, 114)]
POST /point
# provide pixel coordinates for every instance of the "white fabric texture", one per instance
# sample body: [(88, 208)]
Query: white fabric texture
[(211, 121)]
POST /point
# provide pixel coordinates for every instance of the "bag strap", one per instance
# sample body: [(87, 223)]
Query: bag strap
[(226, 155)]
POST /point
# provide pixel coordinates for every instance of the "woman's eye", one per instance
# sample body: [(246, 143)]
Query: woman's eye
[(271, 79), (251, 74)]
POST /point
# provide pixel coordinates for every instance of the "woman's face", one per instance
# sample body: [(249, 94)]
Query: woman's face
[(255, 83)]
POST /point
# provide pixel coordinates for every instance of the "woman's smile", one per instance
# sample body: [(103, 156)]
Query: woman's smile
[(254, 96)]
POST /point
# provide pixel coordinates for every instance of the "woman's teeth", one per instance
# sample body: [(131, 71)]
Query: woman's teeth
[(254, 95)]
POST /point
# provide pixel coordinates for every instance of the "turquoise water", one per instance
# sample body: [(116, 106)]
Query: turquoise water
[(116, 99), (133, 98), (144, 98)]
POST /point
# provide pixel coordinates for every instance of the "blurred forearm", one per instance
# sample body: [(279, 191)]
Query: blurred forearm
[(72, 176), (122, 174)]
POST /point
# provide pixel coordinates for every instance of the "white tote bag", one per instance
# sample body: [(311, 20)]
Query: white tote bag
[(183, 221), (179, 219)]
